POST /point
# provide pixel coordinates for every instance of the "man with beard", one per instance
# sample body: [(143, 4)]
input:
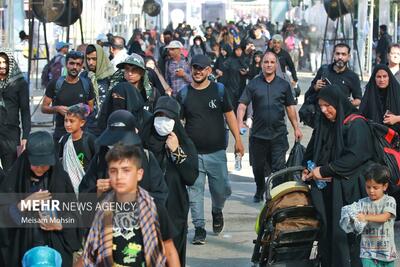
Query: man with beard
[(204, 108), (14, 103), (339, 74), (99, 71), (67, 91)]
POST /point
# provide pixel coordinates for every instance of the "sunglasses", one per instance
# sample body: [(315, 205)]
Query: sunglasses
[(199, 68)]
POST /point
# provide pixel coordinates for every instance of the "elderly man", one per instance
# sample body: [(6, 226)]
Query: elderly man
[(118, 51), (284, 57), (177, 71)]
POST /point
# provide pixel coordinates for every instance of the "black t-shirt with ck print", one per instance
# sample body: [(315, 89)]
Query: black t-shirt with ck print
[(204, 111)]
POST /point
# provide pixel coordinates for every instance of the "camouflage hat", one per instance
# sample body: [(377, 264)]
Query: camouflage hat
[(133, 59)]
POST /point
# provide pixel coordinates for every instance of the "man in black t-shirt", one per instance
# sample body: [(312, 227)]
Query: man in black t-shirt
[(72, 90), (204, 105), (339, 74), (270, 96)]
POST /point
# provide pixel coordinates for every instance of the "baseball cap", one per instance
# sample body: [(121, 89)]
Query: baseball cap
[(133, 59), (174, 44), (121, 127), (168, 106), (201, 60), (61, 44), (42, 256), (40, 148), (102, 38), (277, 37)]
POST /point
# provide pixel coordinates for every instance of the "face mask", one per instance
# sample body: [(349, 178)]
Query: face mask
[(164, 125), (118, 103)]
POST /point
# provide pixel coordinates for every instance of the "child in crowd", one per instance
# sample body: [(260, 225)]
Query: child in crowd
[(77, 147), (140, 235), (379, 211)]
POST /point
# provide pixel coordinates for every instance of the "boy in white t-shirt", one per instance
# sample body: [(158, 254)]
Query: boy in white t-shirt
[(379, 211)]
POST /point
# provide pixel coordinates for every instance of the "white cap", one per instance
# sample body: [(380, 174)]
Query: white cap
[(102, 37), (174, 44)]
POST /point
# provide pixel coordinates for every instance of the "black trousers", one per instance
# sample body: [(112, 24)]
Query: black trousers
[(9, 140), (180, 242), (267, 156)]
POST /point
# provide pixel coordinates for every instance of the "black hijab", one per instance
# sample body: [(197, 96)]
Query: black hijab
[(330, 134), (376, 101), (21, 239), (157, 143), (132, 101)]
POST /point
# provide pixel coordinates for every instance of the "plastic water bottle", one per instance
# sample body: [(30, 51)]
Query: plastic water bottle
[(238, 162), (243, 131), (311, 166)]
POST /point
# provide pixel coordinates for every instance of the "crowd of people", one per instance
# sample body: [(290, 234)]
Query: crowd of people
[(146, 122)]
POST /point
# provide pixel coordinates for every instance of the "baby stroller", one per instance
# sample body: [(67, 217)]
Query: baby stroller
[(288, 225)]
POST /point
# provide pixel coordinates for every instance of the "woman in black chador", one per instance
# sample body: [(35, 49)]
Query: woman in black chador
[(381, 100), (37, 175), (178, 159), (125, 96), (341, 152)]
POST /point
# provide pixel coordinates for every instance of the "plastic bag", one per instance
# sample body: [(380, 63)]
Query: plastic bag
[(296, 155)]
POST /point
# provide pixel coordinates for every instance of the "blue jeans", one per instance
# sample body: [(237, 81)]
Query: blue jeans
[(213, 166)]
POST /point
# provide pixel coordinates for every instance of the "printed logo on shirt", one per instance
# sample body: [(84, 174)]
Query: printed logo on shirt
[(212, 104)]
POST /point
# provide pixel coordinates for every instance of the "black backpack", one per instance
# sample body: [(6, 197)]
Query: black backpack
[(184, 91), (85, 84), (386, 148), (51, 70)]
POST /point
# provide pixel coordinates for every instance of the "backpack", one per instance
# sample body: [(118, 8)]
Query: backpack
[(86, 145), (51, 70), (386, 148), (85, 84), (184, 91)]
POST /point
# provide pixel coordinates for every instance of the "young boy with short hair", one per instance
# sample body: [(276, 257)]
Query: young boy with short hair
[(77, 147), (379, 211), (140, 236)]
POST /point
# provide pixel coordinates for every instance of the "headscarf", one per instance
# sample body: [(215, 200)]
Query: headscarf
[(157, 143), (21, 239), (133, 103), (228, 49), (332, 132), (104, 69), (371, 103), (14, 73)]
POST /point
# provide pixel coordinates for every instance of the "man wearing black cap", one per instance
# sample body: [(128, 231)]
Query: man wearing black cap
[(121, 128), (178, 159), (205, 104), (39, 174)]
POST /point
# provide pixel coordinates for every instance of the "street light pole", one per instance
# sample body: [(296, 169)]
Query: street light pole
[(370, 36)]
